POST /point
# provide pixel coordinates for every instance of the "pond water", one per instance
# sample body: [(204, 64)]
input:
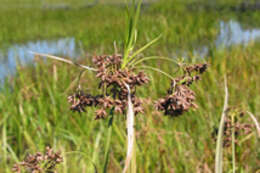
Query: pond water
[(231, 33), (19, 53)]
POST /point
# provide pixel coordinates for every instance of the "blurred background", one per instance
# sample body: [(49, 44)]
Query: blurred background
[(74, 27), (33, 108)]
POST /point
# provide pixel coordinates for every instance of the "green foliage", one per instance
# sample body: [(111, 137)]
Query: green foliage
[(96, 33), (34, 111), (35, 114)]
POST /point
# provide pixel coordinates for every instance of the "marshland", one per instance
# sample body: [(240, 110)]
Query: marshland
[(220, 126)]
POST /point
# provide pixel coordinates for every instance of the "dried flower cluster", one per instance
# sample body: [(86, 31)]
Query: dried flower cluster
[(39, 163), (113, 81), (239, 130), (180, 97)]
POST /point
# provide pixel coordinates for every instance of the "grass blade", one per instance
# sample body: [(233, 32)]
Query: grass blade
[(157, 70), (134, 63), (142, 49), (63, 60), (233, 145), (131, 34), (107, 149), (96, 149), (108, 143), (219, 148)]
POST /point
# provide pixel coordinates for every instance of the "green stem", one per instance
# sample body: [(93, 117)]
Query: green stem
[(157, 70), (137, 61), (108, 142), (233, 145), (4, 138)]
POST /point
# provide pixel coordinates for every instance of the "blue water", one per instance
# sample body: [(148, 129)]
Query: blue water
[(19, 53), (231, 33)]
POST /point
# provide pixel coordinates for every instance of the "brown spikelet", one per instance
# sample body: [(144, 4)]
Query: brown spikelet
[(180, 97), (113, 81), (39, 163)]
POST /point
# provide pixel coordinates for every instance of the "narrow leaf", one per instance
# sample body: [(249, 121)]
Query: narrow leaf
[(130, 131), (157, 70), (135, 62), (143, 48), (219, 148), (63, 60), (256, 123)]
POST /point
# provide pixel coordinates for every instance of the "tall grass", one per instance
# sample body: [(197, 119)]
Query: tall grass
[(39, 116), (34, 112), (96, 34)]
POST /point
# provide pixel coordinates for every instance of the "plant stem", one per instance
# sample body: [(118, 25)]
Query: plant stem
[(157, 70), (256, 122), (108, 142), (130, 155), (219, 147), (133, 161), (63, 60), (233, 144)]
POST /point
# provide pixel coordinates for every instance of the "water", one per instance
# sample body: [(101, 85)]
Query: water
[(20, 53), (231, 33)]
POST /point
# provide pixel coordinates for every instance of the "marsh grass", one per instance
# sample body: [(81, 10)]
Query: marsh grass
[(96, 34), (39, 100), (34, 111), (39, 104)]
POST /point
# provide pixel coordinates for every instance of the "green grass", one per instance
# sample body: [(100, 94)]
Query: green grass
[(35, 114), (98, 31), (34, 111)]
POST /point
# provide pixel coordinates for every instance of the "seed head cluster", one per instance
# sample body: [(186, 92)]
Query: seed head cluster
[(180, 97), (113, 81), (200, 68), (240, 129), (39, 163)]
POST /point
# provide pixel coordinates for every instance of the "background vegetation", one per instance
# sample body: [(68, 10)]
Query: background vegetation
[(33, 103)]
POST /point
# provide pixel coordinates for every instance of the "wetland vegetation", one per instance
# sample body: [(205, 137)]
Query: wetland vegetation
[(34, 112)]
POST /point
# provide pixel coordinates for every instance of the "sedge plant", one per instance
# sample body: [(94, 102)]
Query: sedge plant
[(119, 77), (229, 130)]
